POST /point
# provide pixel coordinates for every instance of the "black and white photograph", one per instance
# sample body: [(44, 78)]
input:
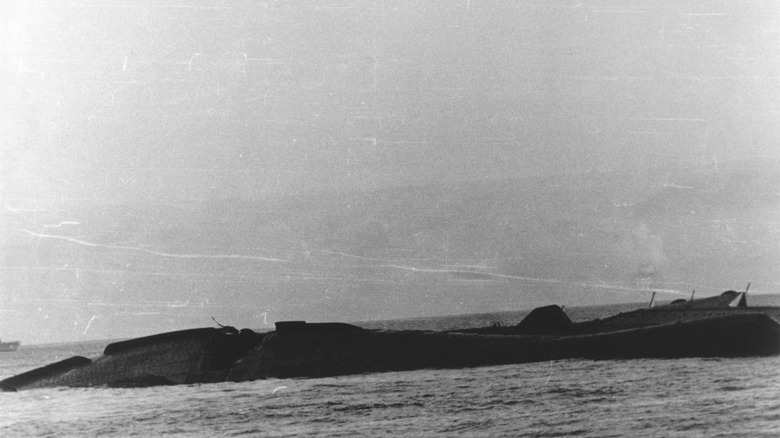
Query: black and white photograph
[(406, 218)]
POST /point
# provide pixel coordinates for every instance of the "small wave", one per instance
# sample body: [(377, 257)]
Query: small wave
[(584, 392), (575, 432), (734, 388), (254, 431), (469, 425), (372, 406)]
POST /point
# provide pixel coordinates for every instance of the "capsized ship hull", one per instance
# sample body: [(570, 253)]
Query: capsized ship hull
[(552, 320), (298, 349)]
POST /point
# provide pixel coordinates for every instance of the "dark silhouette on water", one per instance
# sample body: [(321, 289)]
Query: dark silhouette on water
[(9, 346), (713, 327)]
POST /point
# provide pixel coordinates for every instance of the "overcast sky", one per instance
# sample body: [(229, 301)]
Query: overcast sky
[(184, 104), (115, 101)]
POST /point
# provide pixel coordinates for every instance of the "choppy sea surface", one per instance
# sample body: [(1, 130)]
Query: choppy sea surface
[(682, 397)]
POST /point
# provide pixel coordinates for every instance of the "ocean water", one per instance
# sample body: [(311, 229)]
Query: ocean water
[(683, 397)]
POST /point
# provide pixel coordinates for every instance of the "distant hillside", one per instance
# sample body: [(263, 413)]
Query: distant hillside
[(473, 247)]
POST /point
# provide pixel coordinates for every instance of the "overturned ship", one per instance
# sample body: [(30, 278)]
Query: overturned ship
[(298, 349), (551, 320)]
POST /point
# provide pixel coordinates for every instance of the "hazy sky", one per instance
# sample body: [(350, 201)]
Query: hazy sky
[(117, 116), (117, 101)]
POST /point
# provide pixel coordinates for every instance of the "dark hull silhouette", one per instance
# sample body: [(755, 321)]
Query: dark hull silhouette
[(299, 349), (551, 320)]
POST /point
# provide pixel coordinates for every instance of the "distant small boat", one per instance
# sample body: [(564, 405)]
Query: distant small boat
[(9, 346)]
